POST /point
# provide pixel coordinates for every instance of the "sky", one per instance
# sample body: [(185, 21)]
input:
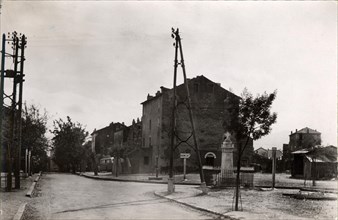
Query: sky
[(96, 61)]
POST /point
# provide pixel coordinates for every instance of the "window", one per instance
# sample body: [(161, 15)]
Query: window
[(143, 142), (149, 125), (146, 160), (149, 141)]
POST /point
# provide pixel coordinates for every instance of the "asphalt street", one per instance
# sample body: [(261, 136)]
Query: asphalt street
[(66, 196)]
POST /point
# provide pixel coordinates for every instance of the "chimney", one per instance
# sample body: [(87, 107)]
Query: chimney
[(291, 132), (296, 130), (149, 96), (158, 93)]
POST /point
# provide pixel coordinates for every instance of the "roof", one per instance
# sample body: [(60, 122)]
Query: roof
[(306, 130), (158, 94), (302, 151), (110, 126), (319, 154), (320, 159), (261, 148)]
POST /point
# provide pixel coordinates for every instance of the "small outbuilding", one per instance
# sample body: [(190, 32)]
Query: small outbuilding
[(319, 162)]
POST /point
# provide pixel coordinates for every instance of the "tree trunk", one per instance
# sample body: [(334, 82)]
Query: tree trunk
[(95, 164)]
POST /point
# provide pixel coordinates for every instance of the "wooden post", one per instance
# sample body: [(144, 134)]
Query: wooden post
[(184, 168), (273, 166)]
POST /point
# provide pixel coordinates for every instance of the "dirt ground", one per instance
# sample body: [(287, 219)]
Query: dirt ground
[(257, 204)]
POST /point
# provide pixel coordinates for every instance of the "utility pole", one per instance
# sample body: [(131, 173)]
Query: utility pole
[(2, 77), (187, 104), (14, 107)]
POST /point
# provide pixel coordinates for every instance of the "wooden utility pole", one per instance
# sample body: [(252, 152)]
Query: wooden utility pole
[(187, 104), (2, 78)]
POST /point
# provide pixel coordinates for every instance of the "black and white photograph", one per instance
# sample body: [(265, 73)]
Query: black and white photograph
[(168, 110)]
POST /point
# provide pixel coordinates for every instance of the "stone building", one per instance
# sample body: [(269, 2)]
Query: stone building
[(127, 147), (104, 138), (210, 106), (300, 139)]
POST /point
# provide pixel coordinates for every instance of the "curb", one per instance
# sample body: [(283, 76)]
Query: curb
[(32, 187), (19, 213), (134, 181), (196, 208), (325, 190)]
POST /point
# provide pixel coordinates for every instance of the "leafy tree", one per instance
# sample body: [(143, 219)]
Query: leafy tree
[(34, 128), (252, 120), (86, 156), (67, 144)]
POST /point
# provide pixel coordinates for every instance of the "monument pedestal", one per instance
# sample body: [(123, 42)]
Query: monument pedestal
[(227, 176)]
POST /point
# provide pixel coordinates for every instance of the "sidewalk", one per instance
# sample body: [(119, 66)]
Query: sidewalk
[(11, 201), (270, 204)]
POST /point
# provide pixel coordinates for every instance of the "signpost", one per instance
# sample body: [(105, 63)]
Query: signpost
[(184, 156), (273, 166)]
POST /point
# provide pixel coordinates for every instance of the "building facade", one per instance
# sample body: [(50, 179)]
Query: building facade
[(103, 139), (210, 106)]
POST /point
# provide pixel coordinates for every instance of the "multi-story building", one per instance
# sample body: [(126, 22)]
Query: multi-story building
[(210, 105), (127, 147), (300, 139), (104, 138)]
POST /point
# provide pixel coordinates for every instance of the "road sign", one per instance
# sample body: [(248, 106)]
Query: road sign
[(185, 155)]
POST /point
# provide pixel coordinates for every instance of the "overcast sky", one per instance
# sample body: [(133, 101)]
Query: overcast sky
[(96, 61)]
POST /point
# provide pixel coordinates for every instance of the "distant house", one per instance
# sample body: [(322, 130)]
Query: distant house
[(103, 139), (262, 152), (121, 142), (267, 153), (318, 161), (300, 139), (127, 147), (263, 160)]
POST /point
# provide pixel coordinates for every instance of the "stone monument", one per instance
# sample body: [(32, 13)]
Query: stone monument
[(227, 166)]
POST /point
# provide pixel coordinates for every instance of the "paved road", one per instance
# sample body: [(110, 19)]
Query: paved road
[(65, 196)]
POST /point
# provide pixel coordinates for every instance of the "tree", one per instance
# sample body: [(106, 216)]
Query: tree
[(252, 120), (68, 140), (34, 128)]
